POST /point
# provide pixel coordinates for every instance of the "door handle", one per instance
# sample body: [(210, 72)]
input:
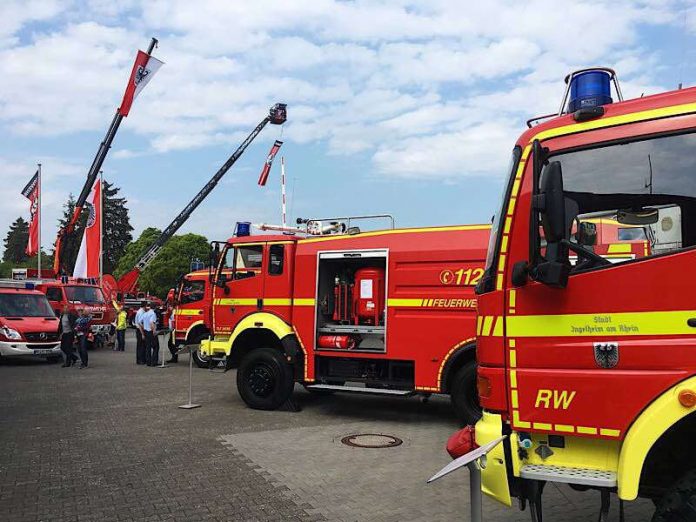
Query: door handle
[(691, 321), (232, 309)]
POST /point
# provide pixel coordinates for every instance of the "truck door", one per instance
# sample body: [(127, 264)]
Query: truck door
[(587, 357), (239, 287), (189, 310)]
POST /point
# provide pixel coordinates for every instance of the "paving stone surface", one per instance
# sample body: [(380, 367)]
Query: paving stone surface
[(110, 443)]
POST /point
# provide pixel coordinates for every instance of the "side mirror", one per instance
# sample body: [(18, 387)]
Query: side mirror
[(550, 202), (555, 210), (586, 234), (221, 280)]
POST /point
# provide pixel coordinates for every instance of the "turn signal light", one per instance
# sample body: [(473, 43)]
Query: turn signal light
[(687, 398), (483, 386)]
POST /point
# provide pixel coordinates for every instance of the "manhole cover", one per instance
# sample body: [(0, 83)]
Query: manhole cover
[(372, 440)]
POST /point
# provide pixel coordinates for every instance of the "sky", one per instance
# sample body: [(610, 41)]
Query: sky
[(403, 107)]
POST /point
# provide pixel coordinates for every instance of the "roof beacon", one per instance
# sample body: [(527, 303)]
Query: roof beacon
[(242, 228), (589, 88)]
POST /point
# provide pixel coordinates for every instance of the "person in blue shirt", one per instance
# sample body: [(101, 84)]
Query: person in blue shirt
[(83, 330), (140, 352), (148, 323)]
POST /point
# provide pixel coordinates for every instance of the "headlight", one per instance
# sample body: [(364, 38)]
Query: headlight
[(10, 333)]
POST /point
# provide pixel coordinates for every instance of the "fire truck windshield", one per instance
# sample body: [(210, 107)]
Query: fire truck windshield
[(24, 305), (639, 177), (498, 221), (84, 294)]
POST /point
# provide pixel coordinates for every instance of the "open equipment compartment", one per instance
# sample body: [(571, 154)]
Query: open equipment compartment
[(351, 301)]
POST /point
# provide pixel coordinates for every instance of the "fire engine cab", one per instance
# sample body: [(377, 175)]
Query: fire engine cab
[(28, 326), (587, 368), (382, 312)]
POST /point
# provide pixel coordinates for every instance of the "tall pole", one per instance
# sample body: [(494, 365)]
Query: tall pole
[(101, 225), (38, 263), (282, 190)]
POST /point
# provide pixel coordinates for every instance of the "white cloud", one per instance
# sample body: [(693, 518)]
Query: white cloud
[(425, 88)]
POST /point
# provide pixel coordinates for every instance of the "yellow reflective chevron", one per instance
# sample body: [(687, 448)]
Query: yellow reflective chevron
[(673, 322)]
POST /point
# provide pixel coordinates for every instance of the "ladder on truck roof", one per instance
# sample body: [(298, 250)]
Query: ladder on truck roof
[(277, 116)]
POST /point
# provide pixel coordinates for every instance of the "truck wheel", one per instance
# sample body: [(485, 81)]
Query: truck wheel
[(264, 379), (464, 395), (679, 502)]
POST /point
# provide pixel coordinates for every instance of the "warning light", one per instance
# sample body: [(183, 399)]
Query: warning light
[(590, 88), (242, 228)]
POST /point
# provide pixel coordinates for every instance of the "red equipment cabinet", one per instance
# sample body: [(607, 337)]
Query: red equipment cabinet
[(368, 296)]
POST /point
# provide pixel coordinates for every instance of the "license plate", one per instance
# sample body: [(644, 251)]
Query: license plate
[(43, 352)]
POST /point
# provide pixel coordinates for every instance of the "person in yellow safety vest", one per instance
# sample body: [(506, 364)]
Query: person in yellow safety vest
[(121, 325)]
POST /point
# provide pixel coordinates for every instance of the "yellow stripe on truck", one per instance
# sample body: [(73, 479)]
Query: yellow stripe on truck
[(673, 322)]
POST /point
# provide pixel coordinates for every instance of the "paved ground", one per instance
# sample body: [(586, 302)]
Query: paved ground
[(109, 443)]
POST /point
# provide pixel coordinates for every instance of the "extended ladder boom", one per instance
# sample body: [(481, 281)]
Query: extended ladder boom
[(277, 116)]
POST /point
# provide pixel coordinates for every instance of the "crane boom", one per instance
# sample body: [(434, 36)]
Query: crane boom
[(277, 116), (92, 174)]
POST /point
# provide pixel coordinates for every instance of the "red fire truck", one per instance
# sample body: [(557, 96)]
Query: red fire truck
[(587, 370), (382, 312), (28, 326), (79, 295)]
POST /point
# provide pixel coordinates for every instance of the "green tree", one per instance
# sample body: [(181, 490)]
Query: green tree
[(172, 261), (117, 227), (136, 249), (16, 242)]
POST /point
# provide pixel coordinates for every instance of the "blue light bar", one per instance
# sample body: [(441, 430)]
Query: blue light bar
[(589, 89), (242, 228)]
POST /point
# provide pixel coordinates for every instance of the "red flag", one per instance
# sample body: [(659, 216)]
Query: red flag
[(269, 161), (144, 68), (31, 192), (87, 263)]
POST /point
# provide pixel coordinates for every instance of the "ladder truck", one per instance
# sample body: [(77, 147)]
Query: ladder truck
[(586, 369), (102, 151), (277, 115)]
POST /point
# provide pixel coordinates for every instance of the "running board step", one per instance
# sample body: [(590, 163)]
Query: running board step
[(582, 476), (358, 389)]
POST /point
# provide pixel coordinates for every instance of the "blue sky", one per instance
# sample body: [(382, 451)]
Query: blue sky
[(401, 107)]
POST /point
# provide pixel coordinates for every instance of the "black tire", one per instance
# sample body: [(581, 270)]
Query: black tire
[(464, 395), (264, 379), (678, 504), (198, 359)]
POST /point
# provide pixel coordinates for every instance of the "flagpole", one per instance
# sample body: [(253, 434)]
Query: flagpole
[(38, 263), (282, 189), (101, 224)]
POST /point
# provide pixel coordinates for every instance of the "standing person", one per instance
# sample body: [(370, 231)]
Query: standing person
[(67, 336), (140, 352), (82, 328), (121, 324), (171, 343), (149, 325)]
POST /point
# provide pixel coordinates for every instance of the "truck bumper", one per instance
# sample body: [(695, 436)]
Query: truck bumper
[(20, 348), (494, 477), (214, 348)]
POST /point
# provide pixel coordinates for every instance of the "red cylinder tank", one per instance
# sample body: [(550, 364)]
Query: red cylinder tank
[(342, 342), (368, 296)]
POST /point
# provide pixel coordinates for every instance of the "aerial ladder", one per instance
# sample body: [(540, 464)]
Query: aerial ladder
[(127, 283), (92, 174)]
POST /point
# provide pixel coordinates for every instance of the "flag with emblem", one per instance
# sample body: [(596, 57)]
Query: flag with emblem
[(31, 192), (144, 68), (88, 258), (269, 162)]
